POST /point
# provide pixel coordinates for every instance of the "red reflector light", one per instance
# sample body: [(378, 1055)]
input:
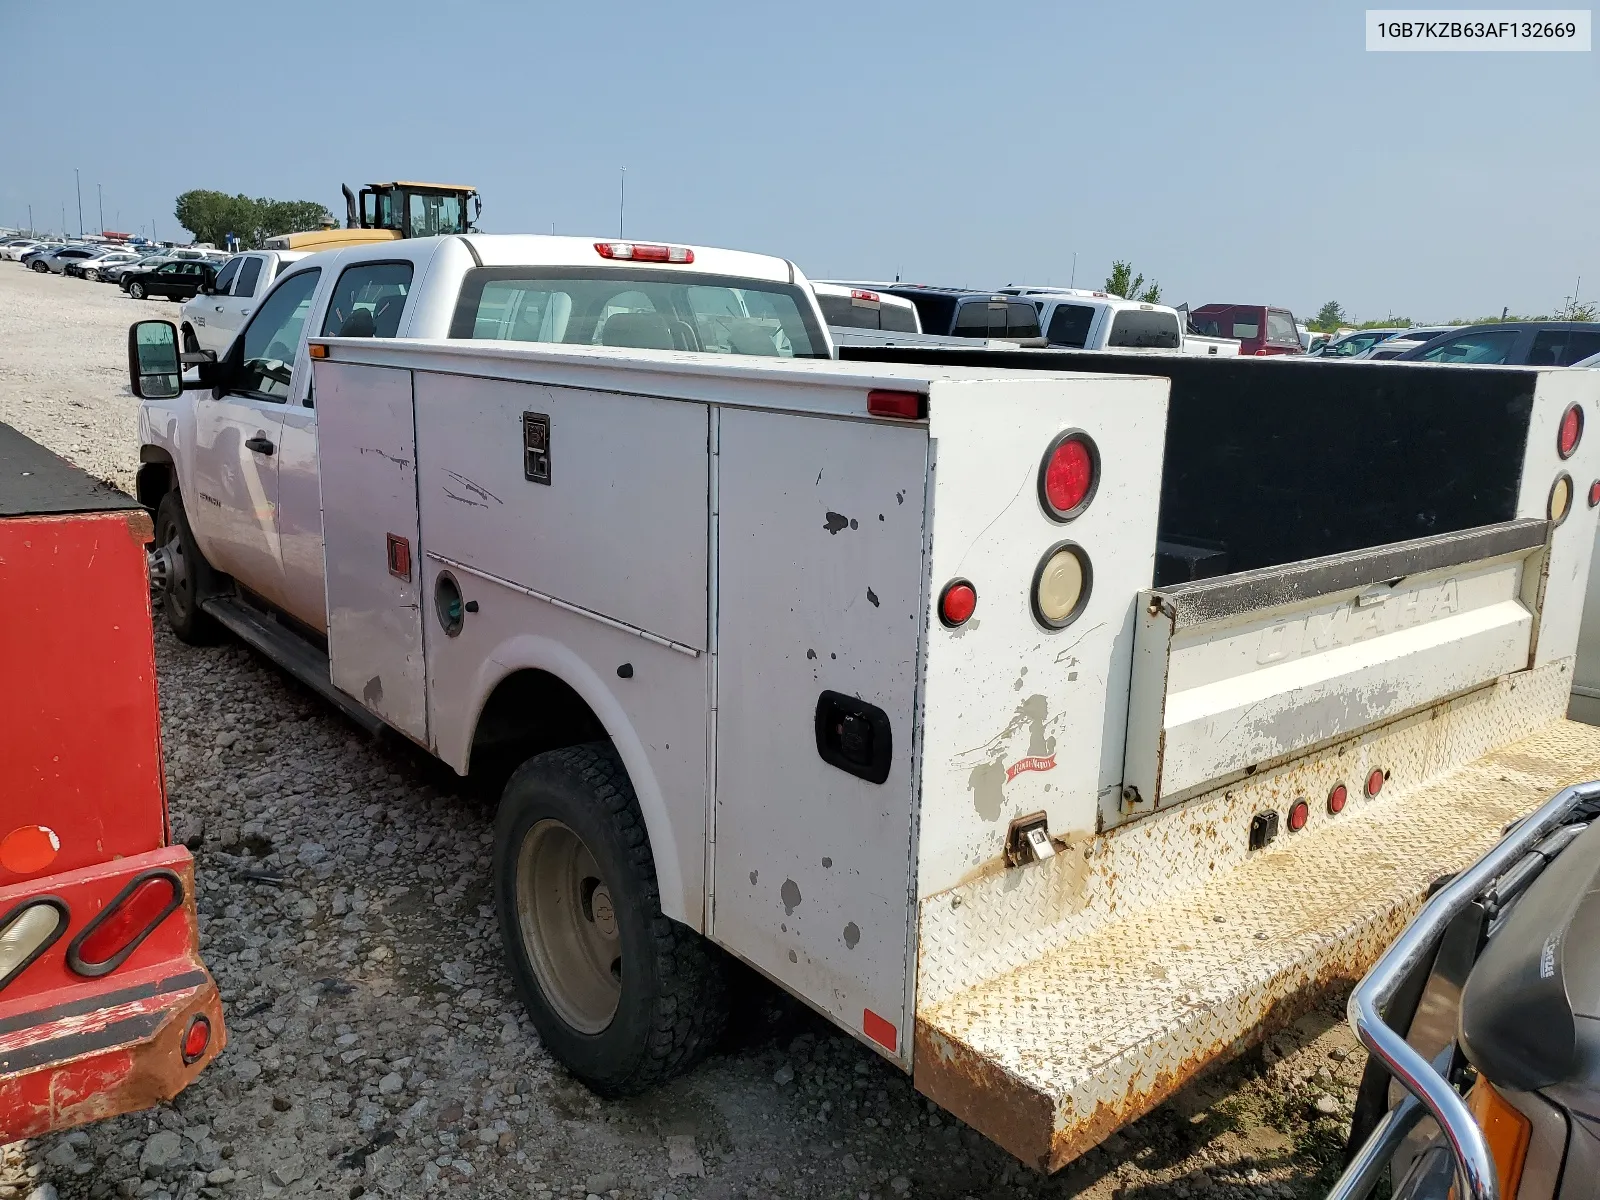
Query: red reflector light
[(644, 252), (879, 1030), (1068, 475), (1299, 813), (196, 1039), (1571, 431), (1375, 781), (957, 602), (130, 918), (1336, 799), (29, 849), (912, 406), (1594, 493)]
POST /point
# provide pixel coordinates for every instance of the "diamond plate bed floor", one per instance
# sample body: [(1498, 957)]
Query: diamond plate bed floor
[(1050, 1058)]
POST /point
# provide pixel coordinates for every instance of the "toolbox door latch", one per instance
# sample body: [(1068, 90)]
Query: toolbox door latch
[(854, 736)]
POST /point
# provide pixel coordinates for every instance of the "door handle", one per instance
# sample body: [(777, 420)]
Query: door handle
[(219, 308), (244, 312), (260, 445)]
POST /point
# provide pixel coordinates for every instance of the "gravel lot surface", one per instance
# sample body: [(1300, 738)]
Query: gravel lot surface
[(376, 1047)]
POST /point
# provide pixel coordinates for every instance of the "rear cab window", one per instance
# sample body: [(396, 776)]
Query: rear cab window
[(1146, 330), (1069, 325), (851, 312), (1280, 328), (650, 310)]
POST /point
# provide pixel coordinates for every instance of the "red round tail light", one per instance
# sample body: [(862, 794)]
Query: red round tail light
[(196, 1039), (1299, 813), (957, 602), (1571, 431), (1375, 781), (1337, 798), (1069, 475)]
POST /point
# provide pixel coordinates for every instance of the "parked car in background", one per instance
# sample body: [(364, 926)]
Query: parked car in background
[(1514, 343), (1076, 319), (114, 272), (1409, 339), (1260, 328), (90, 268), (1353, 345), (847, 307), (212, 318), (54, 259), (15, 248), (180, 280), (957, 312)]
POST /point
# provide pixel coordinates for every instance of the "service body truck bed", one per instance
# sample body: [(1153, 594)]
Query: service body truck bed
[(1054, 858)]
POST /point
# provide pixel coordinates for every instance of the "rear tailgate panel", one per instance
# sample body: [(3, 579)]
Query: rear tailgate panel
[(1234, 674)]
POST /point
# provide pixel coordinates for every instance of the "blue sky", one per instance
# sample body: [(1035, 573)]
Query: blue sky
[(1242, 152)]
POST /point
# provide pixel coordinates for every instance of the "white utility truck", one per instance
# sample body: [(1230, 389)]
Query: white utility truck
[(1054, 724)]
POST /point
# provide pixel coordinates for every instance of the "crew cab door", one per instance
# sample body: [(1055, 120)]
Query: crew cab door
[(367, 300), (234, 308), (205, 312), (234, 513)]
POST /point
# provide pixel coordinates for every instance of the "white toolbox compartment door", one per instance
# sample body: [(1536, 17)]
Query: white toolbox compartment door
[(368, 467), (1233, 674)]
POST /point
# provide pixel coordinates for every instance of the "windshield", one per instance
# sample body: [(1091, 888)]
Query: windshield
[(1356, 343), (649, 310)]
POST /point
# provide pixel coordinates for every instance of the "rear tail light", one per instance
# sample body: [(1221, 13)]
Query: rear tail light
[(1337, 798), (644, 252), (1299, 814), (1560, 499), (1571, 431), (1061, 585), (195, 1039), (957, 603), (1374, 781), (139, 908), (27, 931), (1069, 475), (912, 406)]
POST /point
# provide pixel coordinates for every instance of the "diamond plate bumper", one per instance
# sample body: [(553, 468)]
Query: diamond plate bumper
[(1167, 946)]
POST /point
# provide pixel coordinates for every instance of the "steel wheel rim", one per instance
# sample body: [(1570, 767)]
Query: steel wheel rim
[(569, 928), (179, 587)]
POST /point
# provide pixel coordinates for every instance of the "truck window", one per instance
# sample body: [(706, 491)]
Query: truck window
[(1246, 329), (1022, 320), (249, 275), (973, 320), (368, 300), (1493, 347), (225, 276), (1145, 330), (272, 339), (1563, 347), (847, 314), (1280, 328), (641, 309), (430, 216), (1069, 325)]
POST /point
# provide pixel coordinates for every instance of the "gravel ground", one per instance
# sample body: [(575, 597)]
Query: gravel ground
[(376, 1047)]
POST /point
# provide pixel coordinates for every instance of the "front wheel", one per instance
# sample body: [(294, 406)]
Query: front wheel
[(624, 996), (136, 290), (187, 578), (92, 276)]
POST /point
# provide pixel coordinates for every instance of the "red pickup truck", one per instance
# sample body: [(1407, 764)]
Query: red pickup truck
[(1260, 328), (105, 1005)]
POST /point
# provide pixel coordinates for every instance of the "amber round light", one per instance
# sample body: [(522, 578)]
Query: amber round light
[(1337, 798), (1571, 431), (1375, 781), (1068, 475), (957, 603), (1560, 499), (1299, 813)]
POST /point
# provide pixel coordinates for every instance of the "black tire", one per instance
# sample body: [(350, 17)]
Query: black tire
[(672, 1005), (195, 580), (191, 344), (40, 267), (136, 290)]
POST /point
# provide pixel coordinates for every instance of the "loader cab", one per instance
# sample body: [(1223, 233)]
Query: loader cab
[(416, 209)]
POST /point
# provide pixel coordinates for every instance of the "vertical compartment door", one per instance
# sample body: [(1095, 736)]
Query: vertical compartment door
[(368, 455), (820, 606)]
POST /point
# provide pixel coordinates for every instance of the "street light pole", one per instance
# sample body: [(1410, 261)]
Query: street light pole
[(101, 189), (77, 183)]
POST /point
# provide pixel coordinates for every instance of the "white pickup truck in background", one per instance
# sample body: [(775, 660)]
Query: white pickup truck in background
[(213, 317), (1078, 319), (1056, 724)]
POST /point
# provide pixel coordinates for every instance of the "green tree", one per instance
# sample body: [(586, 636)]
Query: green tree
[(1123, 282), (1329, 317), (212, 216)]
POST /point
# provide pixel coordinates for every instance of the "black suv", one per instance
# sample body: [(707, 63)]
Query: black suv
[(1514, 343), (180, 280), (954, 312)]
